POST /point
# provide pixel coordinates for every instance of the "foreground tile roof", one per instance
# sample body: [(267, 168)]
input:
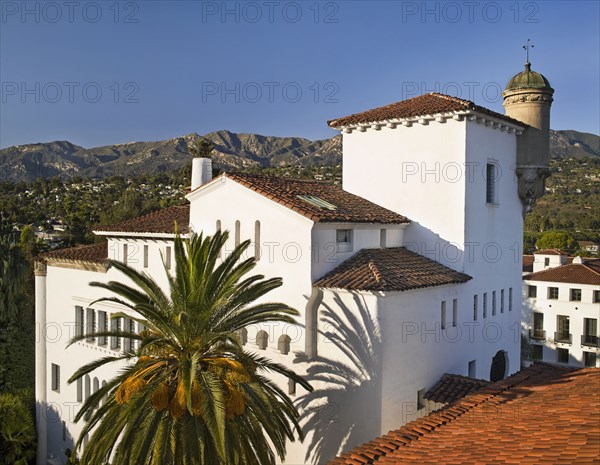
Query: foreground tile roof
[(542, 414), (161, 221), (576, 273), (319, 201), (423, 105), (393, 269), (95, 253), (454, 387)]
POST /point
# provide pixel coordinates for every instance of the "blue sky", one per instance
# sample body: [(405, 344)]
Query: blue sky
[(104, 72)]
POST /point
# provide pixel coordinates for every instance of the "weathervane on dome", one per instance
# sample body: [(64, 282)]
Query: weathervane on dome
[(526, 48)]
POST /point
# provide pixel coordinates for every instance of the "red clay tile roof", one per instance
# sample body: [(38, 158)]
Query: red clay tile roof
[(95, 253), (585, 273), (454, 387), (549, 252), (319, 201), (161, 221), (528, 263), (542, 414), (423, 105), (393, 269)]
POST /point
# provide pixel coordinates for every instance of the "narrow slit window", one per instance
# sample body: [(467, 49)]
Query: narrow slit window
[(257, 240), (168, 258), (237, 232), (443, 316), (454, 312), (490, 188)]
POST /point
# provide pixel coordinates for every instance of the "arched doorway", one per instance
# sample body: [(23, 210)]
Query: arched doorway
[(499, 367)]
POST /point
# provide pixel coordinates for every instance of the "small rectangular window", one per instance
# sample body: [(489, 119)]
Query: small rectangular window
[(102, 327), (90, 324), (383, 238), (168, 257), (502, 301), (589, 359), (575, 295), (562, 355), (493, 303), (485, 305), (55, 378), (532, 292), (473, 369), (443, 316), (510, 299), (454, 312), (475, 305), (490, 188), (596, 297), (343, 239), (421, 398), (145, 256), (553, 293), (546, 262), (80, 390)]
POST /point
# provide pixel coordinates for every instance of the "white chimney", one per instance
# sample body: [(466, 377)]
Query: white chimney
[(201, 171)]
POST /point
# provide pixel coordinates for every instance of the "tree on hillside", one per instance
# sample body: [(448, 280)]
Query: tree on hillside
[(556, 240), (202, 148), (193, 394)]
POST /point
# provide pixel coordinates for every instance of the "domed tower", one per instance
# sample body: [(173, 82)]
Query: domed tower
[(527, 98)]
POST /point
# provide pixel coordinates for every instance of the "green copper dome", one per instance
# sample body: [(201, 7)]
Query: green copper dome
[(528, 80)]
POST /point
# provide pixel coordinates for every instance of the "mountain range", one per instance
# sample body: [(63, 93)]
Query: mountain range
[(232, 151)]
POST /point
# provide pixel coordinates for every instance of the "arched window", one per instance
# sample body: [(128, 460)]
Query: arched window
[(262, 339), (283, 344), (218, 225), (88, 387), (237, 233), (242, 334), (105, 396), (257, 240), (95, 387), (499, 368)]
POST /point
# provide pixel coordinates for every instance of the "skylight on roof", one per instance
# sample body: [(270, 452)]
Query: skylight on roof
[(317, 202)]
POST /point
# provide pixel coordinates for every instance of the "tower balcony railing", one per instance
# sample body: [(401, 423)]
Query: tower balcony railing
[(590, 340), (563, 338), (537, 334)]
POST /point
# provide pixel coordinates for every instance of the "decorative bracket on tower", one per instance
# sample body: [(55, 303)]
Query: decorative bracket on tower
[(532, 184)]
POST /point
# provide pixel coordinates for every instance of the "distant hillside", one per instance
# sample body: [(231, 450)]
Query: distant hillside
[(233, 151)]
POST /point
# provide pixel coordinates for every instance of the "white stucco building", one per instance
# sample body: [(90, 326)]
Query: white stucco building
[(561, 308), (418, 256)]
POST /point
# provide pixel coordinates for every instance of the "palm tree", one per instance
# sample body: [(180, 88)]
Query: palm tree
[(191, 393)]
